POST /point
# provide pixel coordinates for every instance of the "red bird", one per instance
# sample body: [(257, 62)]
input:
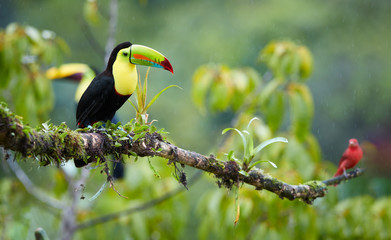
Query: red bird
[(350, 157)]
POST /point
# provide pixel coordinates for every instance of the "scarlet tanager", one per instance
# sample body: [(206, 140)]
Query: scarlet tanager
[(350, 157)]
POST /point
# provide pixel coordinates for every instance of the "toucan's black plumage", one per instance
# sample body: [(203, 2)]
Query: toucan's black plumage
[(110, 89), (100, 101)]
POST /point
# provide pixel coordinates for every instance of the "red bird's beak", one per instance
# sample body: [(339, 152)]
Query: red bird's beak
[(353, 142)]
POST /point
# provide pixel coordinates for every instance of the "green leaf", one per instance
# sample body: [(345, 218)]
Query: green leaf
[(269, 89), (97, 124), (244, 173), (152, 129), (242, 136), (230, 155), (268, 142), (145, 86), (123, 139), (253, 119), (202, 80), (118, 125), (91, 12), (220, 96), (157, 95), (274, 109), (134, 106), (261, 161), (63, 135), (306, 62), (302, 109), (45, 126), (254, 164), (272, 163), (313, 148), (250, 145), (99, 192)]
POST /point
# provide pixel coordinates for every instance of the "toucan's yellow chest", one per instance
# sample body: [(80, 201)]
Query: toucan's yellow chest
[(125, 77)]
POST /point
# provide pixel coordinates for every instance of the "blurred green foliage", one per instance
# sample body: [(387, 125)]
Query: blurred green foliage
[(218, 88), (347, 95), (23, 52)]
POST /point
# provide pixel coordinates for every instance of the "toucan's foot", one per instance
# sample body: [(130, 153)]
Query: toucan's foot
[(344, 173), (80, 163), (130, 140), (118, 169)]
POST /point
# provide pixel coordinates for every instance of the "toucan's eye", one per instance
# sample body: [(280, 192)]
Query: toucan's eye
[(125, 54)]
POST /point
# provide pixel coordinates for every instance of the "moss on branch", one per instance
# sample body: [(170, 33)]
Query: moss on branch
[(56, 144)]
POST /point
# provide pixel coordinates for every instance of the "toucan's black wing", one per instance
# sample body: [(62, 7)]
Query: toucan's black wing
[(93, 100), (99, 102)]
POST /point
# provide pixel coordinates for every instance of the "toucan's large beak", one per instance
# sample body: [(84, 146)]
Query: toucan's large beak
[(142, 55)]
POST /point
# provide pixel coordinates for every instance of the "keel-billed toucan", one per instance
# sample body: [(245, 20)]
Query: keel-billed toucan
[(110, 89)]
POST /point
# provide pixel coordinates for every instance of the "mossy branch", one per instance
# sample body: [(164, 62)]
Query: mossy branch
[(61, 145)]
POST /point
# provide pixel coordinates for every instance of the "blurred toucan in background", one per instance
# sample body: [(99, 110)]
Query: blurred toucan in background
[(109, 90), (77, 72)]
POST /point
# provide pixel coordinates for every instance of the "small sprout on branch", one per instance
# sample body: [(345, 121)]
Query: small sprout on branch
[(141, 99), (249, 151)]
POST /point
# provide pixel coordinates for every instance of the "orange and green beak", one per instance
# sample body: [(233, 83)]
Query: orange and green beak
[(142, 55)]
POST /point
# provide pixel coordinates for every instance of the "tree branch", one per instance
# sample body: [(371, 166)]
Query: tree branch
[(344, 177), (60, 145)]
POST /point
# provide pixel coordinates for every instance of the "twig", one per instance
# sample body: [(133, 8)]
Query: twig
[(110, 180), (99, 50), (141, 207), (112, 28), (32, 189), (349, 175), (68, 218)]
